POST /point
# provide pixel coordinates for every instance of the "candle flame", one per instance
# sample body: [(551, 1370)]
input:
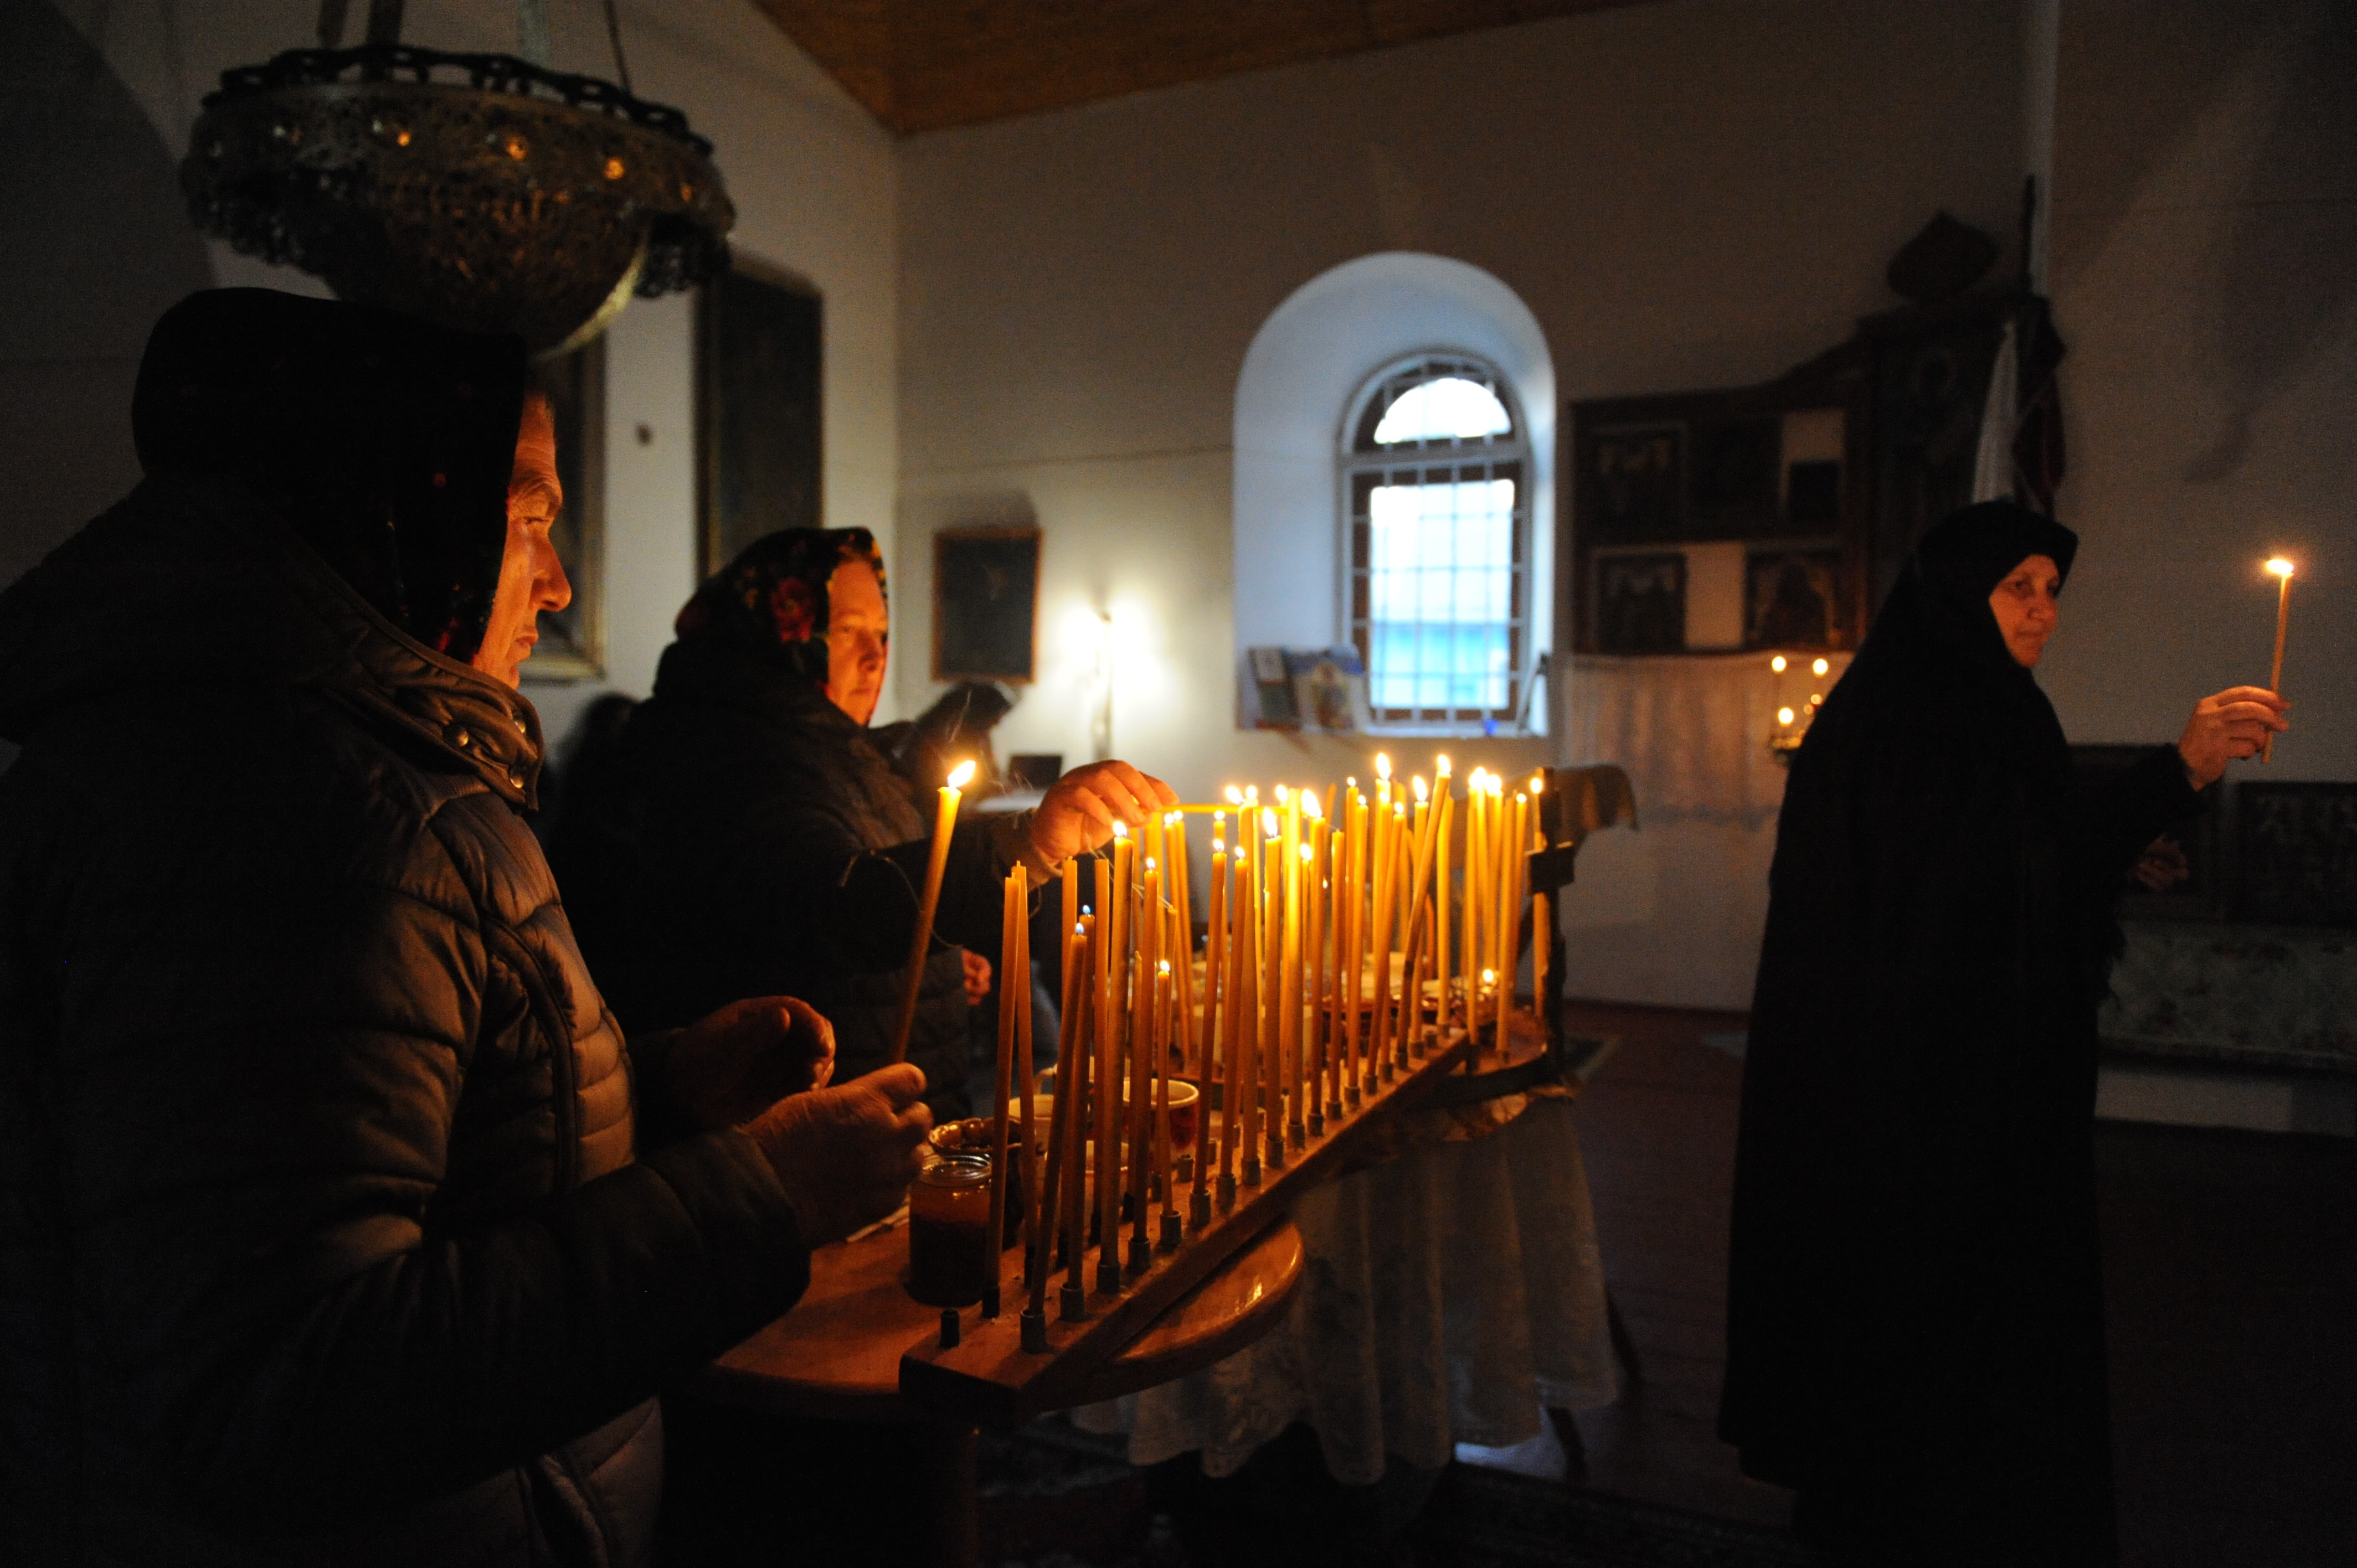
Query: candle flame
[(1278, 791), (1268, 821), (1816, 698), (1783, 715), (1382, 765), (2279, 566), (1166, 969), (1440, 764), (1820, 667), (1219, 846), (1307, 855), (1120, 829), (1777, 664), (1235, 796), (1351, 782), (1149, 862), (1538, 781), (1489, 977), (961, 775), (1310, 808), (1252, 794), (1422, 792)]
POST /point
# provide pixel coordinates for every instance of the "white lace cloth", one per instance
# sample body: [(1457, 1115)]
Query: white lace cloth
[(1446, 1297)]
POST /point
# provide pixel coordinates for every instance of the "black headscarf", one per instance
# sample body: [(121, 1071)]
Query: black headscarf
[(771, 601), (1936, 651), (384, 441)]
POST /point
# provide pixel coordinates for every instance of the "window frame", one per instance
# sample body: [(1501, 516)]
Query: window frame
[(1359, 470)]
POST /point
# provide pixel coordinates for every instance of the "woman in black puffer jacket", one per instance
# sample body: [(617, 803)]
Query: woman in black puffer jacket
[(331, 1227)]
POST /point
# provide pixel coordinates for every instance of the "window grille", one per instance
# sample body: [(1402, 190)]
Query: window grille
[(1438, 537)]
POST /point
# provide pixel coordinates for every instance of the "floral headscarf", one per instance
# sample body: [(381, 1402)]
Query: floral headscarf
[(772, 599)]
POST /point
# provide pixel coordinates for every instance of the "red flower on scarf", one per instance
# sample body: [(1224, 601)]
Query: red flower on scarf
[(794, 608)]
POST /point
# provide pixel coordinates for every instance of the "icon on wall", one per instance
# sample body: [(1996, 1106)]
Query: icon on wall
[(986, 604), (1792, 598), (1641, 602)]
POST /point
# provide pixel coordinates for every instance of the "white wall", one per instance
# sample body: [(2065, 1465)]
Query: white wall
[(814, 182), (1682, 194), (2205, 275)]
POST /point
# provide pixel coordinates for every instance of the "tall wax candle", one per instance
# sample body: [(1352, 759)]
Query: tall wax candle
[(921, 940), (1444, 897), (1231, 1003), (1247, 1037), (2282, 570), (1207, 1069), (1002, 1081), (1272, 991), (1108, 1089), (1018, 984)]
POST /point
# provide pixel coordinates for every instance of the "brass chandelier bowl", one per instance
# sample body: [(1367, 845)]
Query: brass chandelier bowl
[(476, 191)]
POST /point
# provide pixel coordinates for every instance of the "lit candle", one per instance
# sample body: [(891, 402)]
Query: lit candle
[(1469, 957), (1108, 1088), (921, 941), (1072, 1113), (1245, 1078), (1001, 1086), (1207, 1068), (1444, 894), (1182, 946), (2282, 570), (1230, 1055), (1349, 960), (1274, 878), (1017, 983), (1137, 1079)]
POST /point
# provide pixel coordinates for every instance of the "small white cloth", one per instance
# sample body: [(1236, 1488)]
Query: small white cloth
[(1446, 1297)]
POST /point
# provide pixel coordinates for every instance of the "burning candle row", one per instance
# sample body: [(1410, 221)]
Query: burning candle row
[(1340, 940)]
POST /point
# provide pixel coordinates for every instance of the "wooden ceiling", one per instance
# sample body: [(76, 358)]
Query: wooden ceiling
[(927, 65)]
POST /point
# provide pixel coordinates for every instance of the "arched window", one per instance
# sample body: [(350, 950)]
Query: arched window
[(1436, 525)]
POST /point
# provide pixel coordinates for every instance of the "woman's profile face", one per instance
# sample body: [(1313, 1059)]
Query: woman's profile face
[(2024, 607), (856, 631)]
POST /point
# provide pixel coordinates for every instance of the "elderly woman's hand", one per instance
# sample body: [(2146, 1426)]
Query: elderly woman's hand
[(1082, 807), (845, 1155), (731, 1066), (2234, 722)]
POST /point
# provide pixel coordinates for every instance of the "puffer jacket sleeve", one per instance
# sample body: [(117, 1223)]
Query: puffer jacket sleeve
[(860, 903), (269, 1041)]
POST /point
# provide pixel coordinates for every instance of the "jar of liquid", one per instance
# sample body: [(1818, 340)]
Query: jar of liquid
[(950, 1254)]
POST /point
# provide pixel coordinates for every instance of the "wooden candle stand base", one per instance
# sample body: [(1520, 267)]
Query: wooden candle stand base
[(989, 1378)]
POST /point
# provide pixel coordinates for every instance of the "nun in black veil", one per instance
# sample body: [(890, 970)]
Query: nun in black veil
[(1915, 1337)]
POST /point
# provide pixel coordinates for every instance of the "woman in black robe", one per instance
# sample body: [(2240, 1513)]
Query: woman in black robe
[(1915, 1314)]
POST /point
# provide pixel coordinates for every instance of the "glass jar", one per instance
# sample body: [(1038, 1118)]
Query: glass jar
[(950, 1254)]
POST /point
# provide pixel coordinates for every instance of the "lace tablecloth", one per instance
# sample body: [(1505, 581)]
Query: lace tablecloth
[(1448, 1296)]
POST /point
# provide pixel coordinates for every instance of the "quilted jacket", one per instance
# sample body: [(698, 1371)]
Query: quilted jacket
[(325, 1231)]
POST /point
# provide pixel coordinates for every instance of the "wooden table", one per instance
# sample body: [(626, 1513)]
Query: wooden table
[(836, 1356)]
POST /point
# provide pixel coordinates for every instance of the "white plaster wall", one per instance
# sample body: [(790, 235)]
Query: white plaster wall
[(1682, 195), (815, 181), (2205, 275)]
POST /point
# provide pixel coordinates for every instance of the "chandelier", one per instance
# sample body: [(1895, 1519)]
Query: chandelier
[(481, 191)]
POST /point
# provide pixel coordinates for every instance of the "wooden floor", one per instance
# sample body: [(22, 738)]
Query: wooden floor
[(2231, 1268)]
